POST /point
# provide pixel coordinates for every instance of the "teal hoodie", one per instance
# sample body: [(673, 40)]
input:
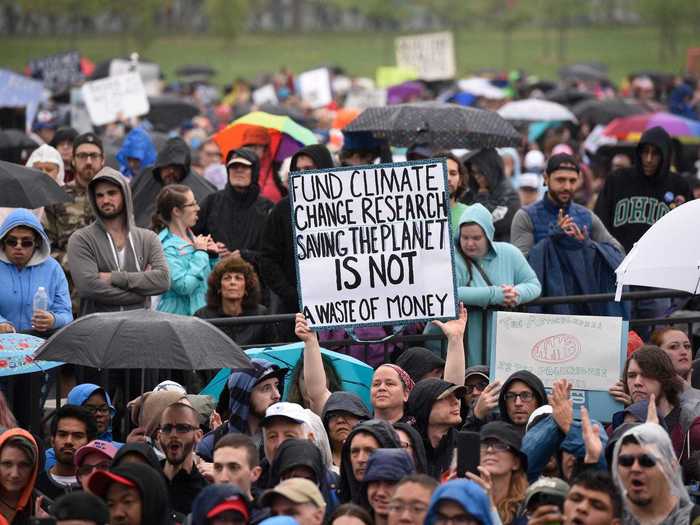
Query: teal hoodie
[(503, 264)]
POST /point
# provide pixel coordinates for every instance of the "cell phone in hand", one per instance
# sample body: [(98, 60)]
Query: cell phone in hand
[(468, 453)]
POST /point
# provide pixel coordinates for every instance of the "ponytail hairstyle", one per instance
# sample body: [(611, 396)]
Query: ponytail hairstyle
[(171, 196)]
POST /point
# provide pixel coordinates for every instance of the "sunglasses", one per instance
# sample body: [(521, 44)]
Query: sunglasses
[(24, 243), (84, 470), (180, 428), (481, 386), (645, 460)]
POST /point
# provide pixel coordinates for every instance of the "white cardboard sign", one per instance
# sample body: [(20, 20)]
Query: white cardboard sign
[(432, 55), (315, 87), (112, 98), (372, 244)]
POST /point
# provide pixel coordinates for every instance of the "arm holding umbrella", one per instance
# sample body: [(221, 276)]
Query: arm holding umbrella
[(314, 373)]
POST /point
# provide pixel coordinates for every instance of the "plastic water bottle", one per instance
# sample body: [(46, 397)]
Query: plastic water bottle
[(41, 300)]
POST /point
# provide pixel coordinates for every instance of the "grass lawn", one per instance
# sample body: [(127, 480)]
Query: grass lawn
[(624, 49)]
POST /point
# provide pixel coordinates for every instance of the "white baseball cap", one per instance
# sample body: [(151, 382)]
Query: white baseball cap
[(292, 411)]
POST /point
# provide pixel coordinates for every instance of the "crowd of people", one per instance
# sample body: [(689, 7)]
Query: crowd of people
[(197, 230)]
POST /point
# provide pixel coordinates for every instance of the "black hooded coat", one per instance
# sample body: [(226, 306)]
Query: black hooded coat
[(384, 433), (631, 202), (155, 508), (276, 263), (501, 199), (236, 218), (530, 380), (421, 459), (147, 185)]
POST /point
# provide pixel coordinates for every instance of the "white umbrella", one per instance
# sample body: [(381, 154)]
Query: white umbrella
[(667, 255), (481, 87), (534, 110)]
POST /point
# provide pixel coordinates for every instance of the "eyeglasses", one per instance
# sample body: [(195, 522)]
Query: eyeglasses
[(498, 446), (645, 460), (412, 506), (481, 386), (84, 470), (102, 409), (180, 428), (85, 156), (24, 243), (524, 396)]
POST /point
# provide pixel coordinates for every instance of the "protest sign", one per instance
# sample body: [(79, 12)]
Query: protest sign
[(265, 95), (315, 87), (372, 244), (431, 55), (388, 76), (113, 98), (366, 98), (589, 351), (17, 91), (58, 72), (149, 72)]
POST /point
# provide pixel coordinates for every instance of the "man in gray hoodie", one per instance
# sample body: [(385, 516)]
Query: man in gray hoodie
[(115, 265)]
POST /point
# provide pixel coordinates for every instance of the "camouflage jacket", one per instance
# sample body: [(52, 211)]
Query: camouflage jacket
[(62, 219)]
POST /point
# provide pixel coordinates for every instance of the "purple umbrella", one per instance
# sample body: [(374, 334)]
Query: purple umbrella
[(405, 92)]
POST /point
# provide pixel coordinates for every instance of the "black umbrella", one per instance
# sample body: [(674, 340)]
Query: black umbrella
[(169, 112), (603, 111), (590, 71), (438, 124), (15, 139), (143, 339), (568, 96), (24, 187), (195, 70)]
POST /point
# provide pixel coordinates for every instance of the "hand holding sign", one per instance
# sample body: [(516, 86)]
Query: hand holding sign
[(617, 391), (302, 330)]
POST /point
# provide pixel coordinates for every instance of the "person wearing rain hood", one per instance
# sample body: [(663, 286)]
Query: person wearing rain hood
[(136, 154), (490, 187), (488, 274), (235, 216), (341, 413), (115, 265), (96, 400), (385, 468), (649, 477), (172, 166), (25, 266), (19, 468), (462, 502)]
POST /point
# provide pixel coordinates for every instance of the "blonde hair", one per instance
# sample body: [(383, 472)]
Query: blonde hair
[(508, 507)]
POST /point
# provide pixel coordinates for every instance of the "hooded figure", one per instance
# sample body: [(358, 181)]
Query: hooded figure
[(418, 362), (384, 433), (240, 385), (215, 499), (47, 154), (479, 279), (293, 453), (139, 146), (24, 507), (530, 380), (386, 464), (19, 285), (468, 495), (631, 202), (141, 272), (144, 451), (78, 396), (419, 457), (233, 216), (679, 102), (276, 263), (654, 442), (148, 482), (500, 198), (149, 182), (420, 405)]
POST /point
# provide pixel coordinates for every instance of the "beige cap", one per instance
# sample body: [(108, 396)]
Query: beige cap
[(297, 490)]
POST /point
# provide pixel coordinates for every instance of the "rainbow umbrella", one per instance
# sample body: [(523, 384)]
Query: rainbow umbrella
[(630, 129), (286, 136), (16, 355)]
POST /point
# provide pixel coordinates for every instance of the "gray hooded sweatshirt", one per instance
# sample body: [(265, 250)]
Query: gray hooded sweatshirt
[(91, 250)]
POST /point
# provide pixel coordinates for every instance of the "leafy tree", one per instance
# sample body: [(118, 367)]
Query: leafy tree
[(668, 16), (227, 17)]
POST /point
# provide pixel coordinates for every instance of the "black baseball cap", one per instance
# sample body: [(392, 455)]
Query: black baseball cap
[(562, 161), (80, 506), (87, 138)]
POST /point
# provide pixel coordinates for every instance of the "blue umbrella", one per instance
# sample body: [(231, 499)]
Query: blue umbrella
[(16, 352), (355, 376)]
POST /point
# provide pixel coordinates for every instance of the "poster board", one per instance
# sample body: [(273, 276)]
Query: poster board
[(432, 55), (372, 244), (266, 94), (58, 71), (17, 91), (315, 87), (109, 99), (589, 351), (366, 98)]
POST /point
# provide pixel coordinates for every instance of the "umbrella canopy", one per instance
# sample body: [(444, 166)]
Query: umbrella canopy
[(594, 72), (481, 87), (404, 92), (143, 339), (294, 114), (536, 110), (568, 96), (24, 187), (169, 112), (355, 376), (631, 128), (286, 136), (649, 264), (439, 124), (16, 139), (16, 355), (603, 111)]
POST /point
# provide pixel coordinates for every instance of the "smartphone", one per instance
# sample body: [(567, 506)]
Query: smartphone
[(468, 453)]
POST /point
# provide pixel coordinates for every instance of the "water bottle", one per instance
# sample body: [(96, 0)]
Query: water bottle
[(41, 300)]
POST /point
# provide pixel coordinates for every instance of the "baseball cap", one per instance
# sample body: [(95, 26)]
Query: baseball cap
[(237, 159), (457, 390), (102, 447), (235, 503), (478, 370), (528, 181), (80, 506), (100, 481), (562, 161), (297, 490), (534, 160), (550, 486), (285, 409), (508, 434), (87, 138)]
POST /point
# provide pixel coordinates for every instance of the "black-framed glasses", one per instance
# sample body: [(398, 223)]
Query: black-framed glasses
[(84, 156), (524, 396), (481, 386), (24, 243), (84, 470), (102, 409), (180, 428), (645, 460)]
